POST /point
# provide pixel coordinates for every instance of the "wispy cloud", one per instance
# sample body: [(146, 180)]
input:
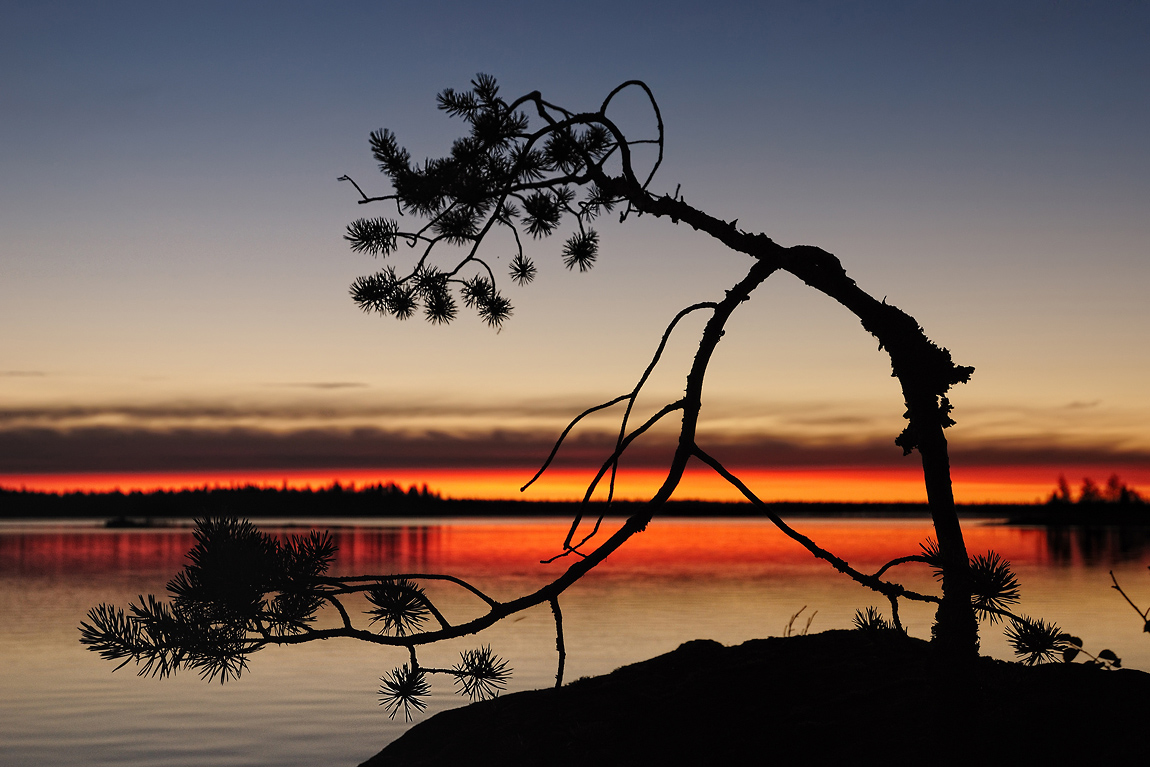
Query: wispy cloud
[(323, 385), (349, 430), (175, 413)]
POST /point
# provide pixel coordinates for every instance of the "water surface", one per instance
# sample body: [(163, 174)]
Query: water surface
[(682, 579)]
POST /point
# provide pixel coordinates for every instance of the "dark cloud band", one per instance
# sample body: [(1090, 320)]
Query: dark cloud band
[(108, 449)]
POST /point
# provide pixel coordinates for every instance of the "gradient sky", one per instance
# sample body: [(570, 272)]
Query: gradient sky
[(173, 279)]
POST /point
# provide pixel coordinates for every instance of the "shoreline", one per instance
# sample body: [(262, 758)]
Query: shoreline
[(128, 510), (836, 697)]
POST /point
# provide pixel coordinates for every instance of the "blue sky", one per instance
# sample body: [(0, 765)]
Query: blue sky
[(171, 260)]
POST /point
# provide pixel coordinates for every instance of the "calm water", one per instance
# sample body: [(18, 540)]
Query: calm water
[(729, 580)]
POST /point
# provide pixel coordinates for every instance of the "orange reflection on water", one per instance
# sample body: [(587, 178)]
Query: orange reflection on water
[(94, 550), (668, 545)]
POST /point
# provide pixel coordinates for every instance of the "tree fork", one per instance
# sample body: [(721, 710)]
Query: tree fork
[(925, 372)]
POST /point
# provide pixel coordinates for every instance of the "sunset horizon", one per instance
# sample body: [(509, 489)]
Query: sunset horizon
[(175, 299), (297, 299), (861, 484)]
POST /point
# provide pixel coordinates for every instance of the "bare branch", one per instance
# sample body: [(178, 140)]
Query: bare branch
[(371, 580), (1143, 614), (570, 426), (619, 442), (366, 199), (647, 374), (899, 561), (870, 581), (614, 458), (658, 118), (330, 597)]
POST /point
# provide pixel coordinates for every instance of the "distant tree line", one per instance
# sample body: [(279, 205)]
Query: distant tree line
[(1115, 491), (383, 499)]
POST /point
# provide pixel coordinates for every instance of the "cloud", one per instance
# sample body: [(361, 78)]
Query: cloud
[(101, 449), (324, 385), (112, 449), (313, 431), (831, 420), (22, 374), (222, 414)]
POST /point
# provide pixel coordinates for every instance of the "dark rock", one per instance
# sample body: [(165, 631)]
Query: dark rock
[(838, 696)]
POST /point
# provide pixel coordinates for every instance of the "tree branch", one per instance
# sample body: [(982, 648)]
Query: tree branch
[(899, 561), (1143, 614), (870, 581), (371, 580), (570, 426)]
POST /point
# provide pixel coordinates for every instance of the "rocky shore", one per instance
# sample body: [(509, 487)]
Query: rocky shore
[(830, 698)]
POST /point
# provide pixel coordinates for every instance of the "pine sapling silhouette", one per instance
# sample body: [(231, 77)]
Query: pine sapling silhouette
[(505, 175), (524, 177)]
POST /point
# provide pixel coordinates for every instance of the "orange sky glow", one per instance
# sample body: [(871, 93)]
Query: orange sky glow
[(1025, 484), (174, 310)]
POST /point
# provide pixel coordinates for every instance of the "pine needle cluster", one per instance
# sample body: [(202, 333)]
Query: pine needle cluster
[(500, 176), (243, 589), (239, 586)]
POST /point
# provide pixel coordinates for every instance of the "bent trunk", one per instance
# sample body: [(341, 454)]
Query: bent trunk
[(955, 629), (925, 371)]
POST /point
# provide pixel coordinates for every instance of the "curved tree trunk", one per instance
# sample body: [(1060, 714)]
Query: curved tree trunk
[(956, 628), (925, 371)]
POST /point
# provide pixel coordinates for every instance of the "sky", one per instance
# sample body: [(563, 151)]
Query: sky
[(174, 301)]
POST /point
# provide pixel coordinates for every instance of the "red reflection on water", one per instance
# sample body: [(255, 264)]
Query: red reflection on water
[(668, 545), (42, 552), (675, 542), (87, 551)]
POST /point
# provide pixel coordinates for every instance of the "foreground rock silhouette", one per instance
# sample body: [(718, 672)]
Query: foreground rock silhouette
[(866, 697)]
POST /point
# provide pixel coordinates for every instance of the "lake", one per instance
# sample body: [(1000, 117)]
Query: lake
[(724, 579)]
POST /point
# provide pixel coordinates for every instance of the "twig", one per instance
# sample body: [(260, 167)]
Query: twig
[(870, 581), (1143, 614), (570, 426), (343, 582), (559, 645), (899, 561)]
